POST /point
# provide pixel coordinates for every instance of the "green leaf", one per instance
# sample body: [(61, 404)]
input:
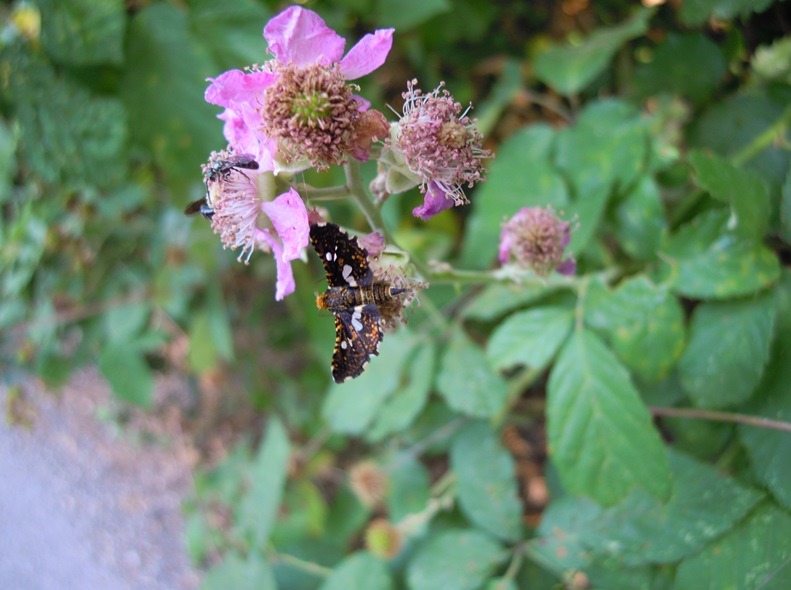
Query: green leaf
[(645, 324), (466, 382), (128, 373), (641, 530), (768, 448), (353, 406), (9, 138), (210, 338), (359, 571), (303, 514), (409, 489), (697, 12), (398, 412), (250, 572), (785, 209), (690, 65), (504, 192), (560, 547), (501, 584), (486, 482), (497, 299), (258, 511), (729, 126), (163, 88), (125, 322), (740, 188), (708, 261), (728, 349), (569, 69), (407, 14), (530, 338), (756, 554), (456, 559), (772, 63), (83, 32), (606, 147), (230, 30), (87, 148), (640, 221), (602, 439)]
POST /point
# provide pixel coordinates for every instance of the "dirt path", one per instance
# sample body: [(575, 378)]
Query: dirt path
[(82, 506)]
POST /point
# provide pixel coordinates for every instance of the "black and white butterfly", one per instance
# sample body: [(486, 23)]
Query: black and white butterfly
[(354, 296)]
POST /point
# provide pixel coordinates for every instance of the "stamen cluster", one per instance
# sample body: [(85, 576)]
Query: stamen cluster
[(234, 196), (439, 142), (312, 112), (537, 239)]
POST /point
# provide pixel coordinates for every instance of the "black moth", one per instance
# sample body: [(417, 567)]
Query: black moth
[(215, 171), (354, 297)]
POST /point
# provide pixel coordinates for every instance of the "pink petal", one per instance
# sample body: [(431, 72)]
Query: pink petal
[(369, 53), (289, 217), (235, 86), (285, 284), (505, 246), (434, 201), (302, 37)]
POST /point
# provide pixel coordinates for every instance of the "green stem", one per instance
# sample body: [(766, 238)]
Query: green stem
[(516, 563), (327, 193), (775, 131), (698, 414), (298, 563), (354, 184), (771, 135)]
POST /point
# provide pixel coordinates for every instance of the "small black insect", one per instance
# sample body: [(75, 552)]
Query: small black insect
[(354, 297), (214, 171)]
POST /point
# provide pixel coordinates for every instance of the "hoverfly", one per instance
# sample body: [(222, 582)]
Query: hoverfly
[(214, 171)]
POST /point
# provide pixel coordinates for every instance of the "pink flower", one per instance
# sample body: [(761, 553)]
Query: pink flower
[(535, 238), (248, 218), (297, 110), (435, 145)]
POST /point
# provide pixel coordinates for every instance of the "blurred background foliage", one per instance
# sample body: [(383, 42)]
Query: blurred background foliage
[(662, 129)]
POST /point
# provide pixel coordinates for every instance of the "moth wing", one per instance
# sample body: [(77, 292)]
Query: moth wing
[(345, 261), (357, 336)]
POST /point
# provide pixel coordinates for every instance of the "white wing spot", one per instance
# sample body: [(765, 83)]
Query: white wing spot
[(343, 344), (328, 256), (358, 325), (346, 272)]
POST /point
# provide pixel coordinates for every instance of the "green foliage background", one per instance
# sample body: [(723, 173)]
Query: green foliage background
[(663, 132)]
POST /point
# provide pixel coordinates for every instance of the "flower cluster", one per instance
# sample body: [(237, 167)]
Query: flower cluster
[(297, 110), (301, 110), (536, 238)]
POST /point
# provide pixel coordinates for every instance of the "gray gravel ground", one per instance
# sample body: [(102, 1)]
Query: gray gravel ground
[(83, 506)]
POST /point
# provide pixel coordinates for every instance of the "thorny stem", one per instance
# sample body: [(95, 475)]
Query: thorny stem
[(698, 414)]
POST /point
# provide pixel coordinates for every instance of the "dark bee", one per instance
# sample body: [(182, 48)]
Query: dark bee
[(215, 171)]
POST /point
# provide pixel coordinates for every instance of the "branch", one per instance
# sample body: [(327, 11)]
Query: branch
[(697, 414)]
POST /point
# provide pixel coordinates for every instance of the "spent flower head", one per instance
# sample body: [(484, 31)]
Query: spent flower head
[(436, 146), (383, 538), (249, 217), (297, 110), (536, 238), (369, 482)]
